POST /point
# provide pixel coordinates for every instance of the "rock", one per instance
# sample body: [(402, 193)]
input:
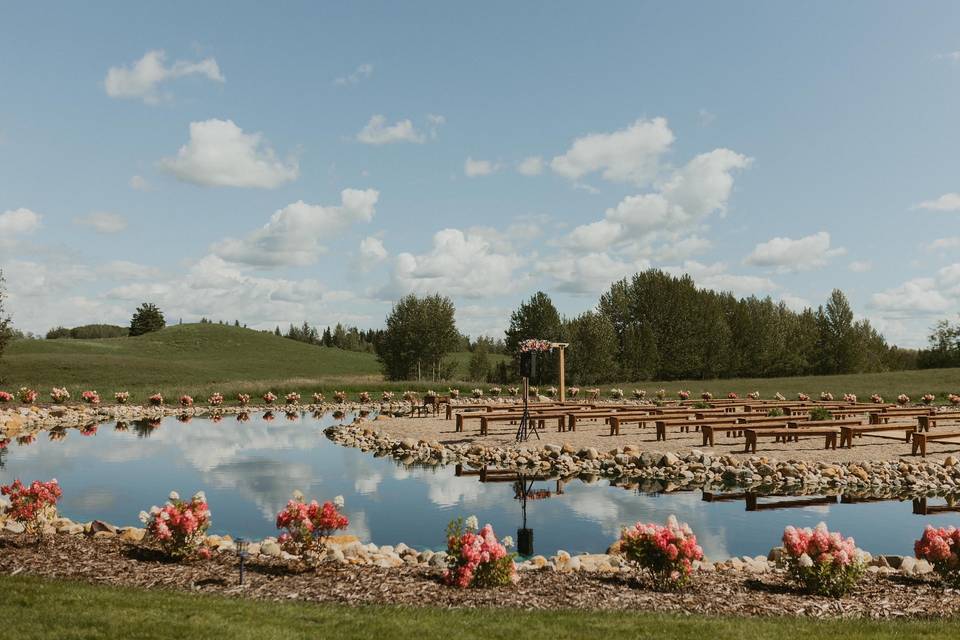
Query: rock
[(538, 561), (776, 554), (669, 459), (908, 565), (270, 548), (589, 453), (14, 527), (98, 526), (132, 534), (950, 461), (408, 443), (614, 549), (100, 535), (439, 559)]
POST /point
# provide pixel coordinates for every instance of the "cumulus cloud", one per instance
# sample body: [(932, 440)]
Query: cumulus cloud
[(587, 274), (917, 296), (465, 264), (787, 254), (378, 132), (372, 250), (18, 221), (473, 168), (142, 79), (531, 166), (717, 277), (594, 236), (103, 222), (295, 234), (139, 183), (860, 266), (946, 202), (359, 74), (220, 154), (628, 155)]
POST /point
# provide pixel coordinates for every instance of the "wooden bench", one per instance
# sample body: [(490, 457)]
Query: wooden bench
[(708, 431), (847, 433), (607, 416), (925, 422), (685, 425), (918, 441), (829, 433), (885, 416)]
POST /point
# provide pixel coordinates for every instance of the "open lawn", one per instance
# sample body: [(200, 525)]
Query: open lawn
[(198, 359), (34, 608)]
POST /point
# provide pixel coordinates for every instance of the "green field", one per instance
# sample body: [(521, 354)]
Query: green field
[(35, 609), (198, 359)]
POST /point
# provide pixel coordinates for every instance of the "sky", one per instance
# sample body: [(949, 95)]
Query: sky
[(316, 161)]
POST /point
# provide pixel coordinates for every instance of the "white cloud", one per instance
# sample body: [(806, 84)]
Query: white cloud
[(473, 168), (362, 72), (716, 277), (531, 166), (628, 155), (434, 122), (220, 154), (465, 264), (684, 247), (126, 270), (295, 233), (946, 202), (706, 118), (953, 56), (142, 79), (372, 250), (103, 222), (595, 236), (914, 297), (860, 266), (951, 242), (379, 132), (587, 274), (795, 303), (139, 183), (787, 254), (18, 221)]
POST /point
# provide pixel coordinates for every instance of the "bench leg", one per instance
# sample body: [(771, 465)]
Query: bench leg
[(661, 432)]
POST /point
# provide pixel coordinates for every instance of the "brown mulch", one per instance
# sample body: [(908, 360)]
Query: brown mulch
[(112, 562)]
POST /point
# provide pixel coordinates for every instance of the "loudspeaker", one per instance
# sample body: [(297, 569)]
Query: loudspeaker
[(525, 542), (528, 364)]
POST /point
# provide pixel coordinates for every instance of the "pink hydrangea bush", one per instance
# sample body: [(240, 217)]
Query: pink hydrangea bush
[(308, 526), (293, 398), (802, 397), (340, 396), (121, 397), (186, 401), (243, 399), (876, 398), (954, 399), (849, 397), (940, 548), (155, 400), (682, 394), (59, 395), (27, 396), (666, 552), (216, 399), (32, 506), (6, 397), (732, 395), (318, 398), (178, 528), (822, 562), (476, 558), (928, 398), (91, 397), (903, 399), (269, 397)]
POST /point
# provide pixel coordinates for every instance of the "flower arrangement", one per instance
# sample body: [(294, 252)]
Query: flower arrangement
[(802, 397), (779, 396), (661, 394), (954, 399), (410, 396), (178, 528), (513, 391), (292, 398), (849, 397), (91, 397), (495, 391), (928, 398), (308, 526), (534, 345), (616, 394), (269, 397), (27, 396), (639, 394), (533, 392), (340, 396), (754, 395), (732, 395), (477, 393), (683, 394), (430, 394), (706, 395), (387, 396), (121, 397), (477, 558), (32, 506), (317, 398), (364, 396), (903, 399), (573, 392), (6, 397), (552, 392), (186, 401), (216, 399), (155, 400), (821, 562), (939, 547), (59, 395), (876, 398), (826, 396), (667, 552), (89, 430), (243, 399), (454, 393)]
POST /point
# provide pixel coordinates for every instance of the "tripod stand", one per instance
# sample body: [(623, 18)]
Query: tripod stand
[(527, 426)]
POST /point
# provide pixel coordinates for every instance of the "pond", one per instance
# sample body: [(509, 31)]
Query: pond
[(249, 469)]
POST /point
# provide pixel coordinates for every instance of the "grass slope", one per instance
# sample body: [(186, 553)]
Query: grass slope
[(35, 609)]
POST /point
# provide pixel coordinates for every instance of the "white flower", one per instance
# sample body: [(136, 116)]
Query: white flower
[(200, 495), (806, 561), (507, 541), (471, 523), (164, 515), (154, 510), (144, 517), (297, 495), (174, 495), (338, 502)]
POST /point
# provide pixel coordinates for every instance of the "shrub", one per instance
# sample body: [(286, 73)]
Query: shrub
[(308, 526), (661, 393), (178, 528), (364, 397), (954, 399), (616, 394), (27, 396), (340, 396), (156, 400), (216, 399), (6, 397), (776, 412), (121, 397), (513, 391), (639, 394), (454, 393), (903, 399), (928, 398), (269, 397), (666, 552), (186, 401), (939, 547), (318, 398), (821, 562), (706, 395), (243, 399), (477, 558), (91, 397), (820, 413), (478, 393), (293, 398), (59, 394), (701, 405), (682, 394), (32, 506)]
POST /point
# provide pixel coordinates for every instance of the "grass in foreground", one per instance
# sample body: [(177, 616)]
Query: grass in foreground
[(34, 608)]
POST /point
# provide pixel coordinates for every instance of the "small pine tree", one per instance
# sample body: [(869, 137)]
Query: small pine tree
[(147, 318)]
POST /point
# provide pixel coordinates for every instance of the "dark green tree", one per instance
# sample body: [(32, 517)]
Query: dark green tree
[(536, 318), (147, 318), (480, 366), (591, 357), (5, 329)]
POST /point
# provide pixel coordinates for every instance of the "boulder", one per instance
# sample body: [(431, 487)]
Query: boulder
[(270, 548)]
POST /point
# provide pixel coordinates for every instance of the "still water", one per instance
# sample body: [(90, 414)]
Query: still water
[(249, 469)]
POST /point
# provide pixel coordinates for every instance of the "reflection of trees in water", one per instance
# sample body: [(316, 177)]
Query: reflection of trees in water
[(3, 457), (145, 428)]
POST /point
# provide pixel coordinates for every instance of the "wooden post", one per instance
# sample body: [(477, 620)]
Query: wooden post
[(563, 388)]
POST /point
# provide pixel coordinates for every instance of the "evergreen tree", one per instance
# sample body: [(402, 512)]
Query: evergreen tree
[(147, 318), (5, 329), (536, 318)]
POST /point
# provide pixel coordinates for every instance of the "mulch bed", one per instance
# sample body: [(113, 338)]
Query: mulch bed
[(113, 562)]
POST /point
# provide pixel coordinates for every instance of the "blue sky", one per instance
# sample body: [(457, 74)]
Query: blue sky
[(317, 160)]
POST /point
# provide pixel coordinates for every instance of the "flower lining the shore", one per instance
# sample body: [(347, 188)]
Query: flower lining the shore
[(243, 399), (666, 552), (89, 430), (155, 400), (32, 506), (308, 526), (779, 396), (903, 399), (178, 528), (6, 397), (683, 394), (495, 391), (822, 562), (616, 394), (939, 547), (476, 558), (340, 396), (754, 395), (876, 398), (928, 398), (706, 395), (216, 399), (91, 397), (317, 398), (477, 393), (954, 399), (186, 401), (849, 397), (454, 393), (802, 397), (639, 394), (573, 391), (826, 396), (364, 397), (552, 392), (293, 398), (387, 396), (269, 397), (513, 391), (27, 396), (732, 395), (59, 395), (121, 397)]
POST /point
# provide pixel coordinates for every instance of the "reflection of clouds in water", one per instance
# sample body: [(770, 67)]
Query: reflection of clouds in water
[(446, 490), (367, 484), (95, 500), (358, 525), (268, 483), (400, 472)]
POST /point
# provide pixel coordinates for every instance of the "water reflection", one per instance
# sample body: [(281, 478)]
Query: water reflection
[(249, 465)]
